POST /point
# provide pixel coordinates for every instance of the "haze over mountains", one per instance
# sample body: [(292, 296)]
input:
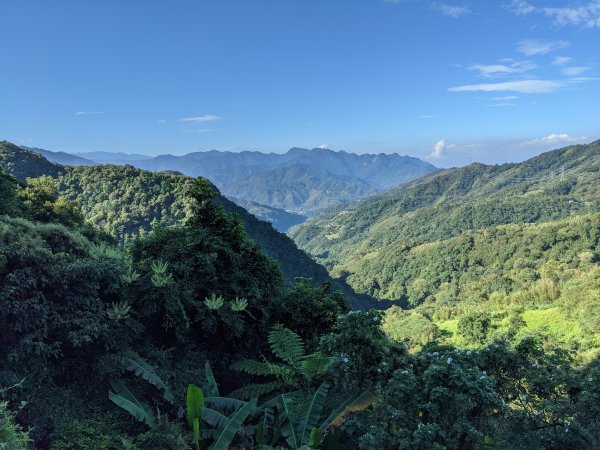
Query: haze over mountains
[(302, 182)]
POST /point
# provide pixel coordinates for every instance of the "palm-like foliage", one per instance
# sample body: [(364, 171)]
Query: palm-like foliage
[(296, 371), (144, 370), (126, 400)]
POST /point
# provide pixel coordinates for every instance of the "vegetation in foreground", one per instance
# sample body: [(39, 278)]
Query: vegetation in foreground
[(187, 337)]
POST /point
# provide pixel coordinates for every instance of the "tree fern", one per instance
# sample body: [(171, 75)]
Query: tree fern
[(286, 345), (123, 398), (315, 365), (252, 367), (256, 390)]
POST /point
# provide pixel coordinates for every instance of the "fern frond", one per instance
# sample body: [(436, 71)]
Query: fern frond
[(144, 370), (252, 367), (257, 390), (315, 365), (286, 345)]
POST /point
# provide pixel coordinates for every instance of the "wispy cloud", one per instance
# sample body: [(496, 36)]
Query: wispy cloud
[(426, 116), (522, 86), (452, 11), (205, 130), (506, 98), (520, 7), (87, 113), (501, 104), (586, 14), (202, 119), (555, 139), (532, 47), (440, 148), (574, 71), (493, 70), (162, 121), (323, 146), (561, 60)]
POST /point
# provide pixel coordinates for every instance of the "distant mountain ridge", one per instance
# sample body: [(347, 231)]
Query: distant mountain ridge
[(63, 158), (290, 180)]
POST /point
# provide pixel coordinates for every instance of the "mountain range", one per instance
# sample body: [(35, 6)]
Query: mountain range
[(127, 202), (300, 181)]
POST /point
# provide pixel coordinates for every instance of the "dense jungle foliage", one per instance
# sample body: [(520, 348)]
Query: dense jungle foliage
[(188, 337)]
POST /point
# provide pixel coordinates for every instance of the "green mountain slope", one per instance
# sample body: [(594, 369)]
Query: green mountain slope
[(127, 202), (368, 242), (299, 188), (24, 163)]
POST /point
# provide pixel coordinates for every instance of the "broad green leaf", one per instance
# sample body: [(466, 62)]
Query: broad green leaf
[(194, 403), (228, 433)]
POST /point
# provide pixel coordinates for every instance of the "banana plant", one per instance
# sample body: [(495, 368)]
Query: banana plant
[(222, 417), (296, 417)]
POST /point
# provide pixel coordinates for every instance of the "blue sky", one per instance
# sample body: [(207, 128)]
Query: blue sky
[(451, 82)]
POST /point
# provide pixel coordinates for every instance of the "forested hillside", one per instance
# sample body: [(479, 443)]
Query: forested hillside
[(302, 181), (127, 203), (394, 245), (300, 188), (187, 338), (24, 164)]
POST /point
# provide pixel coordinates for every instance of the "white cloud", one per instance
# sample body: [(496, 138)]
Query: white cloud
[(502, 104), (440, 148), (452, 11), (324, 146), (492, 70), (162, 121), (201, 119), (521, 86), (555, 139), (561, 60), (574, 71), (506, 97), (204, 130), (426, 116), (586, 14), (532, 47), (87, 113), (520, 7)]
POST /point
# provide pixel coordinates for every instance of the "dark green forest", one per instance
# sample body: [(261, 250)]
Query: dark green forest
[(144, 311)]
